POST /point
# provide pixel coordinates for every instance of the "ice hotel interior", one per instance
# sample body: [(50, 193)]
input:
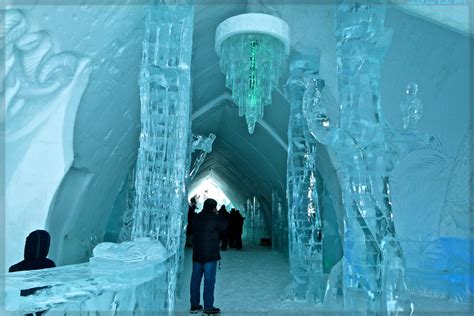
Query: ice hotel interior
[(340, 129)]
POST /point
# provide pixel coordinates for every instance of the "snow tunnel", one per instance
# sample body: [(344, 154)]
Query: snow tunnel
[(341, 131)]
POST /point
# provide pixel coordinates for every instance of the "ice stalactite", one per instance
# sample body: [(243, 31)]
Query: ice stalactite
[(304, 214), (373, 263), (162, 168)]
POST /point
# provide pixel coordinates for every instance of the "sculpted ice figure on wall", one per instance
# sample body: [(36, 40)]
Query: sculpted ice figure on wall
[(373, 263), (412, 107), (42, 88)]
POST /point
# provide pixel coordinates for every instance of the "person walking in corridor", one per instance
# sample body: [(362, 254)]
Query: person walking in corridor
[(208, 225)]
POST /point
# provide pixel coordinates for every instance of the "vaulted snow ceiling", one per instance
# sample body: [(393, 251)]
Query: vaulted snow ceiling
[(106, 128)]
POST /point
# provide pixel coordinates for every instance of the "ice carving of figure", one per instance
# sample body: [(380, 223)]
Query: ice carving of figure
[(411, 106), (304, 214), (369, 148), (204, 145)]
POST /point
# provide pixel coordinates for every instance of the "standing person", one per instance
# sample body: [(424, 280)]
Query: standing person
[(191, 212), (239, 227), (225, 235), (231, 228), (207, 227)]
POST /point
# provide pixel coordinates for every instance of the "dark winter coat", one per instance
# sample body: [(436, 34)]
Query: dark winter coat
[(207, 226), (236, 222), (36, 250), (191, 213)]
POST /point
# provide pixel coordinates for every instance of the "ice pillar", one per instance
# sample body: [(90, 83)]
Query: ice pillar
[(279, 223), (304, 217), (162, 168), (373, 263)]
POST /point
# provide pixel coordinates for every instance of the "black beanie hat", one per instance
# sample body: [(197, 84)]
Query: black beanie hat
[(209, 205)]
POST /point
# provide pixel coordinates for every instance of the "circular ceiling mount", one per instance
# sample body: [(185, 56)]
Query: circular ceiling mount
[(257, 23)]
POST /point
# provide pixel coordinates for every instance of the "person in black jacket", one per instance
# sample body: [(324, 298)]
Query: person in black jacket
[(207, 227), (238, 229), (191, 212), (225, 235), (36, 251)]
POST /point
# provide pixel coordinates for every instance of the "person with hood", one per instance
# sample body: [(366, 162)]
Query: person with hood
[(208, 225), (36, 251)]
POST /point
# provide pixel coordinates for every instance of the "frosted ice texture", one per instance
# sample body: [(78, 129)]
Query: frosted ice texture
[(431, 201), (127, 216), (252, 64), (203, 145), (141, 249), (117, 285), (162, 168), (373, 262), (304, 216), (41, 87), (279, 223)]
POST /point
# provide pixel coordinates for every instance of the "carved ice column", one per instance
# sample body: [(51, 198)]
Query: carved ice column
[(373, 263), (304, 217), (162, 169)]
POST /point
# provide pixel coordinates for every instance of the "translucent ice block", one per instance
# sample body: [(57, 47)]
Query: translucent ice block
[(304, 216), (163, 155)]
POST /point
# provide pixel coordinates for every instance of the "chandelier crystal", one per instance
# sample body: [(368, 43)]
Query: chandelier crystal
[(253, 48)]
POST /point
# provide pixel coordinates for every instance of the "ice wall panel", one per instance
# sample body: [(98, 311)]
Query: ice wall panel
[(42, 90)]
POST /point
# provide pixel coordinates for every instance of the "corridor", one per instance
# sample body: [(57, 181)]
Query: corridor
[(251, 281)]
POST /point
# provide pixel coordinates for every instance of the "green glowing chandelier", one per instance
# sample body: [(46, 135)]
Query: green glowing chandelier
[(253, 49)]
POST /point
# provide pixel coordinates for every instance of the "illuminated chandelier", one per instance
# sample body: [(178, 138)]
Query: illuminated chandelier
[(252, 48)]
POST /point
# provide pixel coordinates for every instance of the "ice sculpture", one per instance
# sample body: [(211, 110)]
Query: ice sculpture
[(373, 262), (127, 216), (42, 88), (162, 168), (412, 107), (255, 228), (304, 216), (204, 145), (119, 279), (253, 49)]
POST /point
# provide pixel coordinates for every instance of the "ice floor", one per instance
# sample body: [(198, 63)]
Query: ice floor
[(253, 282)]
